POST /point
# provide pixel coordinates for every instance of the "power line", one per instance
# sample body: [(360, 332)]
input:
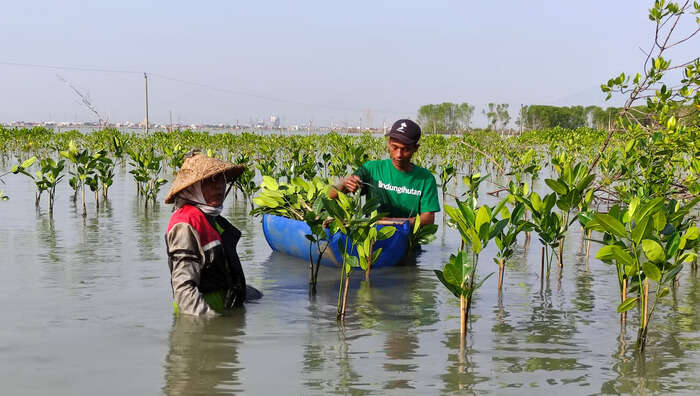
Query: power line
[(201, 85)]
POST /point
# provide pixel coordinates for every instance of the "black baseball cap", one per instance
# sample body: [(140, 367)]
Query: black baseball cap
[(405, 131)]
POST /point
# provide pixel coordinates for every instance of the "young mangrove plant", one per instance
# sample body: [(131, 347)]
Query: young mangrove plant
[(245, 183), (147, 173), (507, 238), (356, 221), (649, 240), (84, 169), (572, 187), (300, 200), (459, 274)]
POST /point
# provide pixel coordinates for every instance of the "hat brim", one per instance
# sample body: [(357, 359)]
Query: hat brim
[(401, 138), (187, 177)]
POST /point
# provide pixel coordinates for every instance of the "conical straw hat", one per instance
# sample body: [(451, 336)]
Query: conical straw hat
[(199, 167)]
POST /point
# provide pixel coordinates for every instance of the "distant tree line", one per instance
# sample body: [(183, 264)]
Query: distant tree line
[(455, 117), (452, 117), (445, 117)]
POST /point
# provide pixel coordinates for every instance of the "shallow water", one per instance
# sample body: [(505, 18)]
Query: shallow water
[(86, 306)]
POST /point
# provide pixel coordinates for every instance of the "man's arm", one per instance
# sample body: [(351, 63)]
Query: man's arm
[(425, 219)]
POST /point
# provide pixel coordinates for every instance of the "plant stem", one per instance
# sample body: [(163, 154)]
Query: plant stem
[(542, 268)]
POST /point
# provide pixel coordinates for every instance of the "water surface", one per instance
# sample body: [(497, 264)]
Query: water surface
[(86, 306)]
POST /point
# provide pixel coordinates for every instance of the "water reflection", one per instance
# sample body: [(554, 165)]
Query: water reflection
[(203, 355), (149, 230)]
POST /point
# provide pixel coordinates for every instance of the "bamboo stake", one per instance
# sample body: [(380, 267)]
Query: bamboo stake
[(463, 316), (345, 296), (501, 268), (561, 253)]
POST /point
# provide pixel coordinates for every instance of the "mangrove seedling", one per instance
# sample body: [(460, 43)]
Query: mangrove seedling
[(476, 230), (355, 221), (507, 238), (649, 240)]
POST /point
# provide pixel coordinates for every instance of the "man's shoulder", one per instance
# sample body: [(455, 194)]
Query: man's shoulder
[(376, 163), (422, 172)]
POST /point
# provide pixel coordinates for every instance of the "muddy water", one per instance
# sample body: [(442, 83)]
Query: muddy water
[(86, 309)]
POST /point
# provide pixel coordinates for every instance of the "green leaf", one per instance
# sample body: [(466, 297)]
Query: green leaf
[(639, 230), (659, 221), (622, 256), (385, 233), (455, 290), (606, 253), (269, 183), (671, 273), (653, 251), (482, 217), (663, 292), (557, 186), (627, 304), (651, 271), (27, 163), (611, 224), (672, 246)]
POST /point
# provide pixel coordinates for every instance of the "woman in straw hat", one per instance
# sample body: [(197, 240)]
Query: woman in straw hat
[(206, 273)]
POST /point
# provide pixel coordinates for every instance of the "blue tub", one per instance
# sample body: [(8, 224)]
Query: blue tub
[(289, 236)]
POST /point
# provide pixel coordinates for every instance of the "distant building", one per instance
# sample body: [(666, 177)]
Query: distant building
[(274, 122)]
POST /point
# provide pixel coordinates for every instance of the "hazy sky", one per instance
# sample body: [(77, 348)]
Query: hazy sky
[(324, 61)]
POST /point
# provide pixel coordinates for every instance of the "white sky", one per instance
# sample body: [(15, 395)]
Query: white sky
[(312, 60)]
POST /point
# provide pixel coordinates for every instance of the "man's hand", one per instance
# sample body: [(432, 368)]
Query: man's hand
[(348, 184), (351, 183)]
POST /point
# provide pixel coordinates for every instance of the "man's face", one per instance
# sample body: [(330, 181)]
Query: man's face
[(401, 153), (214, 189)]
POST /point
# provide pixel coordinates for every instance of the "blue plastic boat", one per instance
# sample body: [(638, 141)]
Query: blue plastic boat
[(289, 236)]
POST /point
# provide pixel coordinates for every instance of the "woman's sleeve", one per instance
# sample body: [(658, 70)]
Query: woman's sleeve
[(187, 261)]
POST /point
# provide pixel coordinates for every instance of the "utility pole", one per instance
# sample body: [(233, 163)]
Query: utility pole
[(145, 79), (171, 120)]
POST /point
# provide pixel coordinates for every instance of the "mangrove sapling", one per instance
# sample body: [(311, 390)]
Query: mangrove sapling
[(476, 230), (458, 277), (48, 177), (648, 240), (175, 156), (421, 234), (319, 238), (507, 238), (355, 221), (573, 192), (147, 171), (447, 173), (245, 182), (22, 168), (367, 237), (547, 223), (85, 168), (292, 200), (105, 174)]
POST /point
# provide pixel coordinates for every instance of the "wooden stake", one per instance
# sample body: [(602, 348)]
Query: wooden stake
[(501, 268), (561, 253), (463, 316)]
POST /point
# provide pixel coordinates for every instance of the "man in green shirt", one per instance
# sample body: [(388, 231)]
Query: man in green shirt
[(403, 190)]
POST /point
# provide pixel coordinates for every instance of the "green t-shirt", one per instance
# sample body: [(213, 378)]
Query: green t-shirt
[(400, 194)]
